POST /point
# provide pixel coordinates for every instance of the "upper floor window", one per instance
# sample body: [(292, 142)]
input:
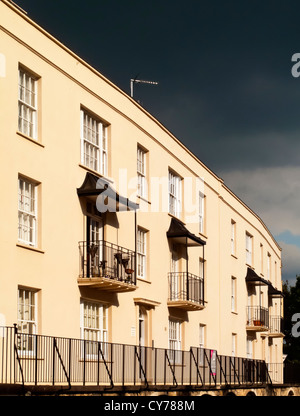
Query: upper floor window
[(201, 212), (141, 253), (249, 244), (27, 104), (141, 172), (269, 266), (233, 294), (174, 194), (233, 232), (93, 143), (27, 212), (261, 258)]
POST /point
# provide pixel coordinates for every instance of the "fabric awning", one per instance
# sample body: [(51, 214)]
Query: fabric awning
[(274, 292), (106, 198), (252, 277), (181, 235)]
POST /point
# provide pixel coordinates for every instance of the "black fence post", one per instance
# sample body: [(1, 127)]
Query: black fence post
[(36, 359)]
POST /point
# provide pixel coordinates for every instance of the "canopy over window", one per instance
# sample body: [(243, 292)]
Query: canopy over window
[(181, 235), (274, 292), (252, 277), (106, 198)]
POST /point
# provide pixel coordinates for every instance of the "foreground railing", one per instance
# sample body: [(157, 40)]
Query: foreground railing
[(55, 361)]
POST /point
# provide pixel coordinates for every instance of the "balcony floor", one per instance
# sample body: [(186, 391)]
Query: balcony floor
[(104, 283), (257, 328), (186, 305)]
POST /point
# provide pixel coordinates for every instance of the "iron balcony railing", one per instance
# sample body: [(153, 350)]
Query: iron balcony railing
[(257, 316), (276, 324), (185, 286), (67, 363), (104, 259)]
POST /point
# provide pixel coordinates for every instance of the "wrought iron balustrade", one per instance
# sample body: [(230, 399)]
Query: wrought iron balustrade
[(276, 324), (108, 260), (257, 316), (185, 286)]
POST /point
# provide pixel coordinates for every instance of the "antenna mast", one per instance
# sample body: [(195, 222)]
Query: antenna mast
[(139, 81)]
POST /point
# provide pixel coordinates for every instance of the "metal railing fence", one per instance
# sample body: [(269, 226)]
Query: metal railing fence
[(54, 361)]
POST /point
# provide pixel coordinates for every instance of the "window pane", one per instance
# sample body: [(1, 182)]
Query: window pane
[(174, 195), (27, 211), (94, 145), (27, 104)]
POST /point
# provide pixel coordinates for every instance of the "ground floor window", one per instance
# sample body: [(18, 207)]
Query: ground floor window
[(27, 319), (175, 340), (94, 327)]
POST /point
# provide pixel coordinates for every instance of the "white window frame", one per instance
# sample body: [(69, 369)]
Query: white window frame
[(262, 258), (233, 294), (141, 172), (202, 329), (141, 253), (27, 103), (27, 211), (201, 212), (175, 341), (174, 194), (233, 239), (201, 276), (93, 327), (27, 320), (94, 151), (249, 346), (249, 249), (202, 342), (268, 266)]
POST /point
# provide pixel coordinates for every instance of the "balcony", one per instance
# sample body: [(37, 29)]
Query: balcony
[(276, 326), (106, 266), (257, 318), (186, 291)]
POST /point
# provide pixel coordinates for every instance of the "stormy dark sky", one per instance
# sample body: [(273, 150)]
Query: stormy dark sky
[(225, 86)]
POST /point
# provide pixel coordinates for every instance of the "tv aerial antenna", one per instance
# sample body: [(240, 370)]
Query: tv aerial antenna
[(139, 81)]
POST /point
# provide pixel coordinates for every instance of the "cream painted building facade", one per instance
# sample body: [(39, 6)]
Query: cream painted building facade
[(174, 260)]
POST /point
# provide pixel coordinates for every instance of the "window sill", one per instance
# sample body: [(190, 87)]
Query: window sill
[(143, 280), (30, 139), (234, 256), (96, 173), (31, 248), (234, 312), (142, 198)]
